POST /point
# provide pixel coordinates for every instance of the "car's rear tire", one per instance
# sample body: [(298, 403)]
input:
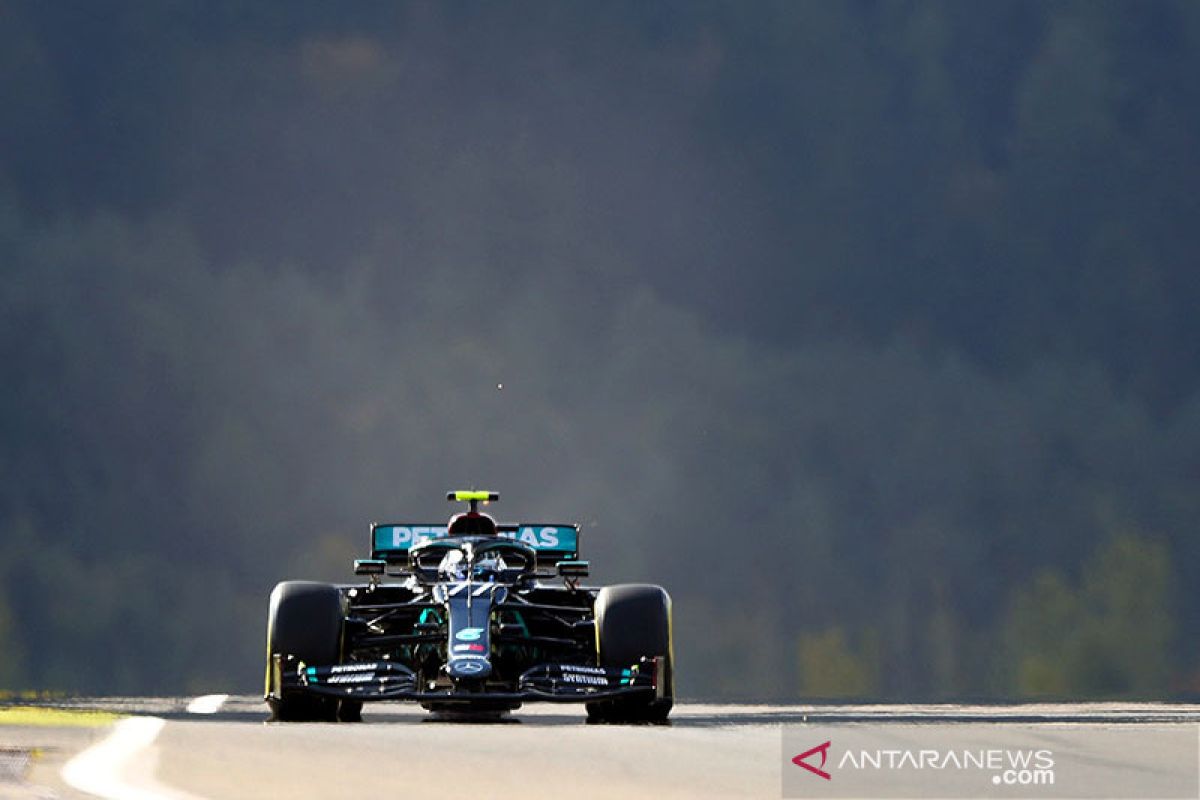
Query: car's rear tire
[(634, 621), (304, 620)]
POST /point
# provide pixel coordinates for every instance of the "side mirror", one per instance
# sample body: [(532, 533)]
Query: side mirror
[(369, 566), (573, 569)]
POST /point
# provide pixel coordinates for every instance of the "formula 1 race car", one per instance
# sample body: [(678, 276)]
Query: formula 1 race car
[(480, 619)]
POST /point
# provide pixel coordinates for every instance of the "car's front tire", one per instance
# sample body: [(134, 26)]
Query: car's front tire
[(633, 621), (304, 620)]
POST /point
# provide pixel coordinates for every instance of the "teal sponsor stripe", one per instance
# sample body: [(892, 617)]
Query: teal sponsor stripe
[(400, 538)]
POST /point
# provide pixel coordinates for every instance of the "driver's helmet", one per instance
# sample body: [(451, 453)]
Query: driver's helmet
[(471, 523), (489, 566)]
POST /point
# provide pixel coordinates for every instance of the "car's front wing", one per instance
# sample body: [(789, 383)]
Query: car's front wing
[(389, 680)]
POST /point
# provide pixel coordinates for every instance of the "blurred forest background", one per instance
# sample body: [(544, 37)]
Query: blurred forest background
[(867, 328)]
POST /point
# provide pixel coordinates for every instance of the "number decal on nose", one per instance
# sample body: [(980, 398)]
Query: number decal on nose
[(469, 634)]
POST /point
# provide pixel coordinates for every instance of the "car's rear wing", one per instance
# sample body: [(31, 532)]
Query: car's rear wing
[(391, 541)]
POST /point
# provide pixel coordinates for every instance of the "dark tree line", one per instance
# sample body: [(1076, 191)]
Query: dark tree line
[(868, 328)]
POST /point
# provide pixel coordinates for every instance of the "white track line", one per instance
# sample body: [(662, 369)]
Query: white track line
[(207, 704), (101, 769)]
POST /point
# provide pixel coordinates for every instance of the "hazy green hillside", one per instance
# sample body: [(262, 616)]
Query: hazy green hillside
[(867, 328)]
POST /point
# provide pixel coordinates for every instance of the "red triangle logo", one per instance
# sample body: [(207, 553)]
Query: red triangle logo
[(823, 749)]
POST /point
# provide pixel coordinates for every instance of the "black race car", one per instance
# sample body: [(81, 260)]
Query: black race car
[(480, 619)]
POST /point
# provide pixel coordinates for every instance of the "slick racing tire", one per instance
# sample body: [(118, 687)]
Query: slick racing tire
[(634, 621), (305, 621)]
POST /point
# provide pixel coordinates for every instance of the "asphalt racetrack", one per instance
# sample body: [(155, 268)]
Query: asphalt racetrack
[(221, 747)]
